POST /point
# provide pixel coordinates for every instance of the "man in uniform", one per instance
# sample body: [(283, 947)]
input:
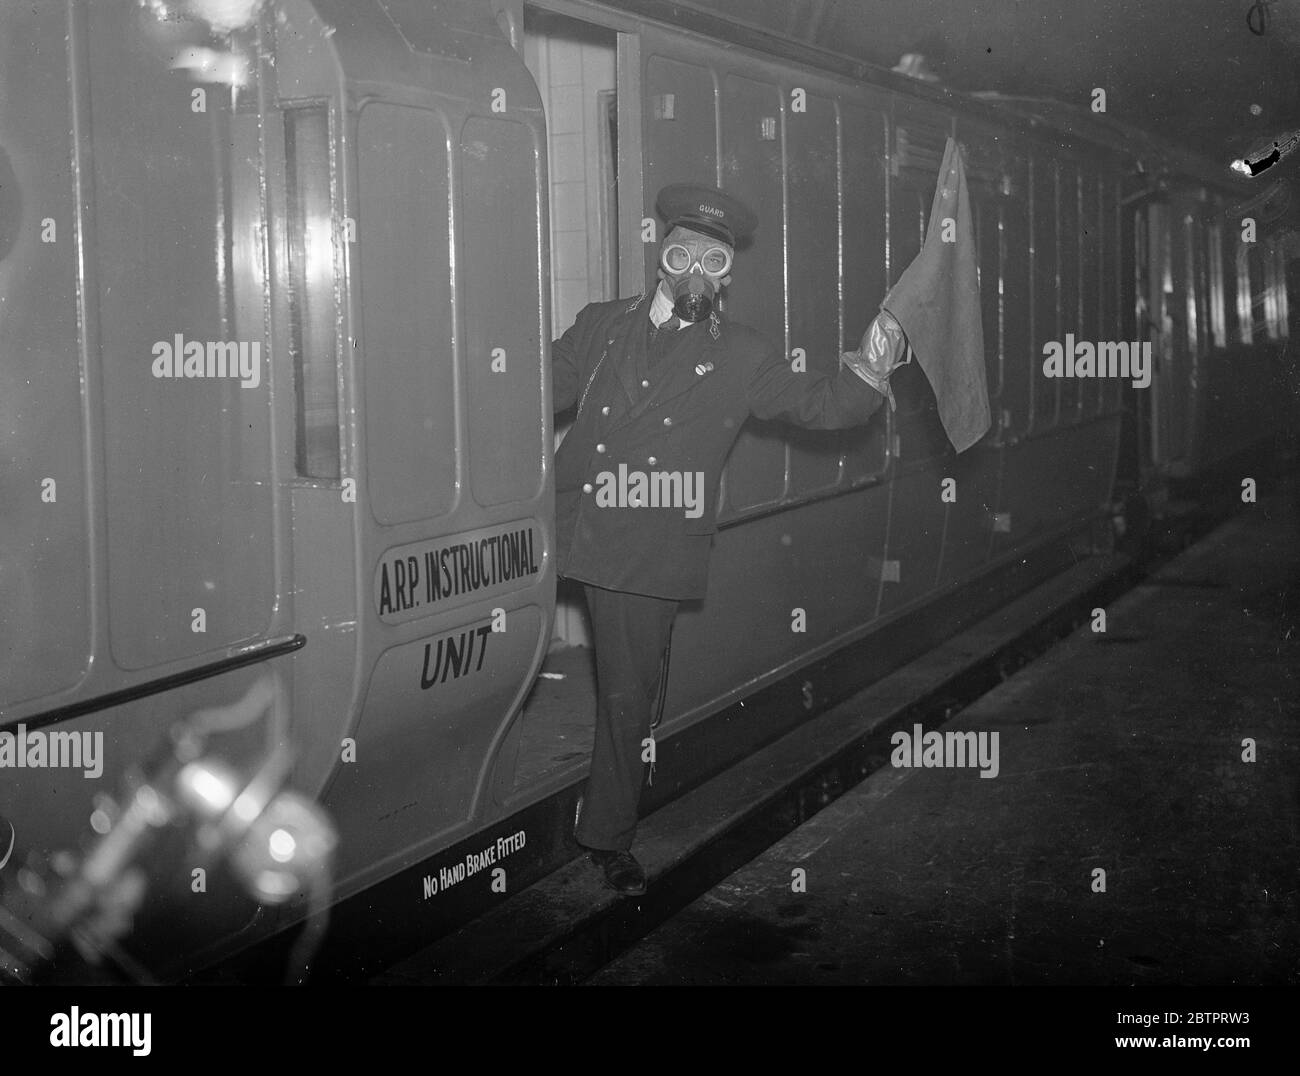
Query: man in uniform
[(663, 385)]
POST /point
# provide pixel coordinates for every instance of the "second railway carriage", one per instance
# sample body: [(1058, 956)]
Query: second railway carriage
[(277, 299)]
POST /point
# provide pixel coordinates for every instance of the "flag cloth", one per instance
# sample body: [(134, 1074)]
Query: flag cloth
[(937, 302)]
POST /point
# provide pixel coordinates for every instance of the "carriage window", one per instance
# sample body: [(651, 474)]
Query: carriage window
[(1231, 308), (1193, 295), (1218, 308), (1091, 245), (812, 178), (1068, 313), (1260, 303), (1244, 293), (311, 291), (1020, 364), (406, 325), (1274, 294), (755, 473), (500, 278), (1045, 225), (187, 459), (1283, 313)]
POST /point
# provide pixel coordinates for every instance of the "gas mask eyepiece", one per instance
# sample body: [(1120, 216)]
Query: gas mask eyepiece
[(711, 257), (693, 269)]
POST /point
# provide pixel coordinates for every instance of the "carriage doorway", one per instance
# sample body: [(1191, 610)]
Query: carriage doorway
[(576, 69)]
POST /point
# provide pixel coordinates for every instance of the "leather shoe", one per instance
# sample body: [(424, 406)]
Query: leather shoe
[(622, 872)]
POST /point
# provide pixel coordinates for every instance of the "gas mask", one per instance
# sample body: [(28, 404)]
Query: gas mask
[(694, 266)]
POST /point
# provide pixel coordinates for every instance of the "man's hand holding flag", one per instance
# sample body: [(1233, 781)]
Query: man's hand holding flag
[(933, 312)]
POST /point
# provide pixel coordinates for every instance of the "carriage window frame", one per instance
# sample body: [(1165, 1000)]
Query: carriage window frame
[(310, 259)]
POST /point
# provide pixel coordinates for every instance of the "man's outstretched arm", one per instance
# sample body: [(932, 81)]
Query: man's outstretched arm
[(831, 402)]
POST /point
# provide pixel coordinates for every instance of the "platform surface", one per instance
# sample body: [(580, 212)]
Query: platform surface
[(1119, 752)]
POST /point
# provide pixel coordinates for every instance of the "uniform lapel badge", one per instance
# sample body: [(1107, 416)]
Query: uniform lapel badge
[(703, 368), (715, 329)]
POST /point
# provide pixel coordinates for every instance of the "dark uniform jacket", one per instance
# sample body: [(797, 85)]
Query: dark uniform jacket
[(680, 414)]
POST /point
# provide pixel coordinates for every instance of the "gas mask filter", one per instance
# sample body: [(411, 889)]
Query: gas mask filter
[(694, 267)]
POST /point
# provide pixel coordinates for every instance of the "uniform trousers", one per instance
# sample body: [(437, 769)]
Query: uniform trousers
[(631, 632)]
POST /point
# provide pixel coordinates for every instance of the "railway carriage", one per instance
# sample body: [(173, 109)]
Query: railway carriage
[(274, 388)]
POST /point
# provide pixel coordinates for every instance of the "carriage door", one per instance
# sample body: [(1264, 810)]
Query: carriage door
[(453, 502)]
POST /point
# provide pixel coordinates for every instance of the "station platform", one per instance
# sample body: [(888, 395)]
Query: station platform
[(1124, 752)]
